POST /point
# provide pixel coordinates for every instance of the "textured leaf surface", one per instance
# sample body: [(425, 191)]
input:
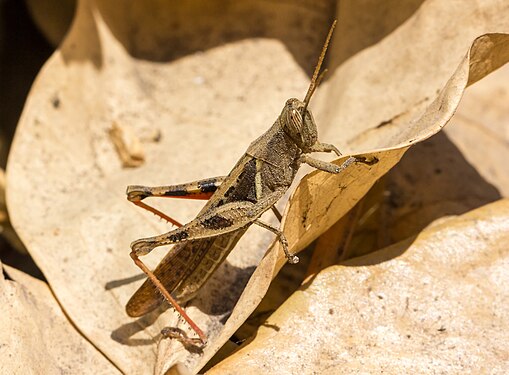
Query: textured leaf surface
[(36, 337), (195, 92), (431, 304)]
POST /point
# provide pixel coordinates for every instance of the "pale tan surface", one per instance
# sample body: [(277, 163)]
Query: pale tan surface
[(36, 337), (432, 304), (209, 90)]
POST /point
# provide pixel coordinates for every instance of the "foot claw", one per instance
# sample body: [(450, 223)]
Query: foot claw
[(180, 335), (293, 259)]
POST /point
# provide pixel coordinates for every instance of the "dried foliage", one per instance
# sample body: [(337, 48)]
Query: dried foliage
[(176, 92)]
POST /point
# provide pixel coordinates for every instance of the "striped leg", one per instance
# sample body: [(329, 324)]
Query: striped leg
[(202, 189)]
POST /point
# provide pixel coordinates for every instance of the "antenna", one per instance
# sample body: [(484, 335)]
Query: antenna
[(315, 81)]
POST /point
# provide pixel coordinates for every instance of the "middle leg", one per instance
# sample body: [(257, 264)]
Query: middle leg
[(292, 259)]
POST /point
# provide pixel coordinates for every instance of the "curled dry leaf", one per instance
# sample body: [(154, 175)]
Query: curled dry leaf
[(464, 164), (36, 337), (479, 129), (130, 64)]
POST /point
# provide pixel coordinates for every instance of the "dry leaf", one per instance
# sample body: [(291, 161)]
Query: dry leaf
[(37, 337), (396, 133), (479, 129), (424, 305), (464, 164), (149, 66)]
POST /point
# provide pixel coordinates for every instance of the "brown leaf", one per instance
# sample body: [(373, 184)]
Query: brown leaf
[(36, 336), (210, 88), (424, 305), (463, 163), (305, 221), (479, 129)]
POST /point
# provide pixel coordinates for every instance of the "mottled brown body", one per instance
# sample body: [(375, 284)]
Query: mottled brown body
[(255, 184), (189, 265)]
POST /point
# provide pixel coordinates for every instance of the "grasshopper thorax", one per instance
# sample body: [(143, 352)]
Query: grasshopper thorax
[(299, 126)]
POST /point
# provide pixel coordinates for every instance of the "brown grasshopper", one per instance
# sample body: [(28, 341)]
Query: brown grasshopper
[(258, 180)]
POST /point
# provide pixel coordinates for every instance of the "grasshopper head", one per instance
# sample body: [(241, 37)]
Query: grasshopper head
[(299, 124)]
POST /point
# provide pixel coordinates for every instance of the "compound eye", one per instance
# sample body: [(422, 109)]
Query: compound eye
[(296, 117)]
